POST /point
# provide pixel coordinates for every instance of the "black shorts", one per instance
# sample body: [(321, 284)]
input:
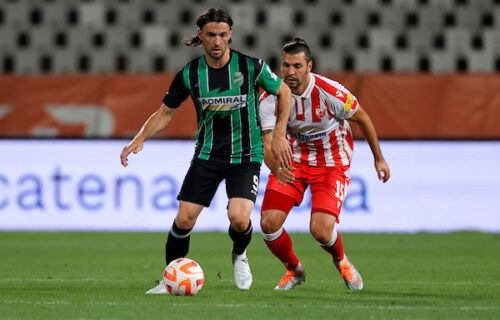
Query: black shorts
[(204, 176)]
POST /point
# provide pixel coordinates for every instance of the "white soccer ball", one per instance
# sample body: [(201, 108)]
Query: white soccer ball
[(183, 277)]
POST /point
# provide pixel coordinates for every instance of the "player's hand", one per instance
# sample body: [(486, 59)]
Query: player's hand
[(285, 175), (282, 151), (134, 146), (383, 171)]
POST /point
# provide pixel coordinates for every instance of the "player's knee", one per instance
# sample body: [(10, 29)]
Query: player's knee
[(185, 221), (240, 224), (268, 227), (321, 234), (268, 224)]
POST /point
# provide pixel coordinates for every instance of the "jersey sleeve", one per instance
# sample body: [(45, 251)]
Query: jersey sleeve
[(177, 92), (268, 79), (267, 111), (342, 103)]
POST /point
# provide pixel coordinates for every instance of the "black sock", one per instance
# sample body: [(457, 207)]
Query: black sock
[(241, 240), (177, 245)]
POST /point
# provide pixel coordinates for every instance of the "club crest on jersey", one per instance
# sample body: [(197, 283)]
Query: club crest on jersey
[(227, 103), (320, 112), (238, 79)]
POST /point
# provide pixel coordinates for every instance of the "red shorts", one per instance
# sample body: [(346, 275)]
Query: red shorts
[(328, 190)]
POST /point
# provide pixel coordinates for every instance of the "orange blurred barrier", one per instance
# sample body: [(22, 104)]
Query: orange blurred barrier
[(402, 106), (433, 106), (87, 106)]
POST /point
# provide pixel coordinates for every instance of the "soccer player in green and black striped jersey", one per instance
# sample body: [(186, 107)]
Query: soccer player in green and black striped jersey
[(224, 85)]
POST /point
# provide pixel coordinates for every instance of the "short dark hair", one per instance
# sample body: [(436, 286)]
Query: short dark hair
[(207, 16), (297, 45)]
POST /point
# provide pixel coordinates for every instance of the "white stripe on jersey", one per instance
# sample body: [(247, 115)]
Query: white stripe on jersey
[(342, 153), (312, 157), (328, 153)]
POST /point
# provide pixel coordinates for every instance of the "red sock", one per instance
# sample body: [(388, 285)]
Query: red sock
[(282, 249), (337, 250)]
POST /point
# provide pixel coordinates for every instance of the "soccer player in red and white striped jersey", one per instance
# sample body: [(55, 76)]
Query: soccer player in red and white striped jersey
[(321, 138)]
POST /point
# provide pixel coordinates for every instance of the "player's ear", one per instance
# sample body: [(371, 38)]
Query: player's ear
[(199, 33), (309, 65)]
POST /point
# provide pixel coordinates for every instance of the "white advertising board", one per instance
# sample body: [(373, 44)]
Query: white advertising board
[(435, 186)]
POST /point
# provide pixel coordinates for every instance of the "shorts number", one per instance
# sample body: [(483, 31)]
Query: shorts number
[(255, 186), (340, 191)]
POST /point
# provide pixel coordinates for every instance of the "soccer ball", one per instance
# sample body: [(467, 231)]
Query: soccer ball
[(183, 277)]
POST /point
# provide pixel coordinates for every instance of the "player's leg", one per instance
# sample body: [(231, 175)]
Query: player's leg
[(328, 193), (324, 231), (240, 231), (240, 228), (277, 203), (197, 191), (275, 208), (322, 227), (279, 242), (242, 183), (177, 244)]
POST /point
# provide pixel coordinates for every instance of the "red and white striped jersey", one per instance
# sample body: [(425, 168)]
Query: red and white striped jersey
[(317, 129)]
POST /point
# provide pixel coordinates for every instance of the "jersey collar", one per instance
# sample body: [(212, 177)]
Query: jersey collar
[(227, 63)]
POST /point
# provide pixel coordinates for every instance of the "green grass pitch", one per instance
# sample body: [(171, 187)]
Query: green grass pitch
[(104, 276)]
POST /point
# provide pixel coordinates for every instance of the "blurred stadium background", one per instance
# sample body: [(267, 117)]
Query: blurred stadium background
[(427, 71)]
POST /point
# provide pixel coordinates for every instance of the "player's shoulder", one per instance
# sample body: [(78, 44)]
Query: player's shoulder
[(193, 62), (257, 62), (239, 53), (327, 83), (331, 87)]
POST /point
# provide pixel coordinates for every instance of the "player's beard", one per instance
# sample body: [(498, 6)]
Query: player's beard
[(296, 82), (218, 55), (293, 82)]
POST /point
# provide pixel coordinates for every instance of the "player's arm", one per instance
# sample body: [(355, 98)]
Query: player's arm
[(274, 85), (283, 174), (365, 124), (280, 147), (176, 94), (156, 122)]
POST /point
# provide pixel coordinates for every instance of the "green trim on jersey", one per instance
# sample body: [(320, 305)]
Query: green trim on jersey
[(253, 121), (267, 79), (207, 117), (185, 77), (235, 116)]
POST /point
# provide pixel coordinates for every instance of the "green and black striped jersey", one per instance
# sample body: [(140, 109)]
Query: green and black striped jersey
[(227, 106)]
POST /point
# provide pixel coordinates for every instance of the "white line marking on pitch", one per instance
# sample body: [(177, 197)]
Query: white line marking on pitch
[(435, 283), (265, 306)]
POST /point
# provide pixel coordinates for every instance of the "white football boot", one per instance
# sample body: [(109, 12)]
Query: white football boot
[(242, 273), (159, 289)]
